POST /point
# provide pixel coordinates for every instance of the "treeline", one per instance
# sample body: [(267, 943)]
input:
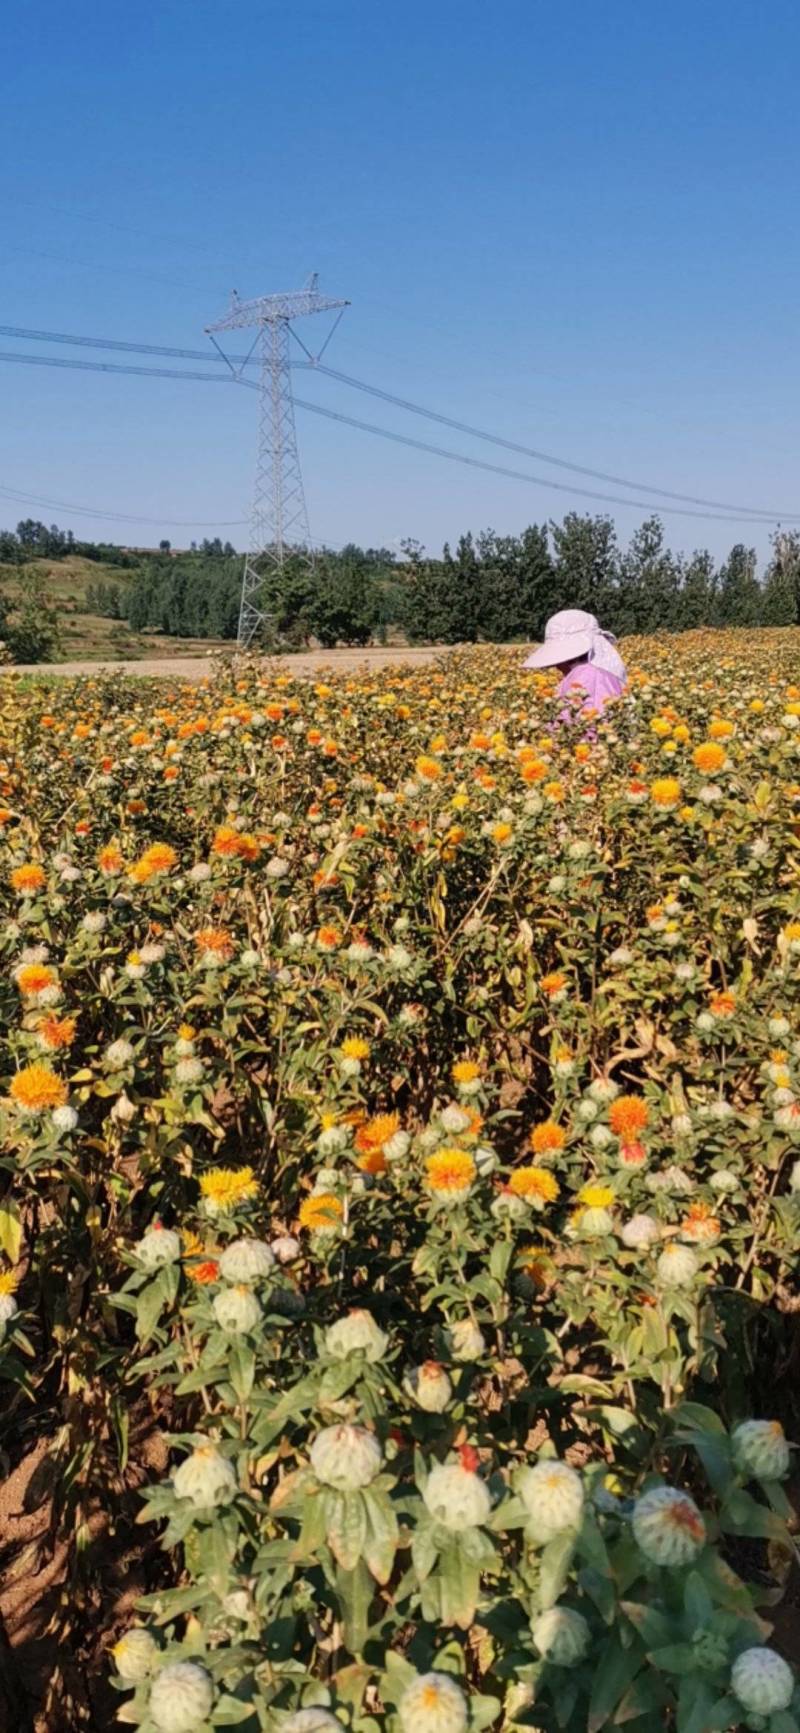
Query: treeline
[(32, 540), (487, 587), (349, 596), (506, 587)]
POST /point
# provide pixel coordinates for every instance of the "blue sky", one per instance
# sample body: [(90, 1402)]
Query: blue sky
[(573, 225)]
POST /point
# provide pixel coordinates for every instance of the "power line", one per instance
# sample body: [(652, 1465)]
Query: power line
[(515, 474), (739, 512), (405, 439), (92, 511), (129, 348), (119, 516), (546, 457), (115, 367)]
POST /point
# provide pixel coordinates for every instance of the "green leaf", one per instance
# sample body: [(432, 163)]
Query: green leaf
[(615, 1670), (715, 1455), (354, 1589), (674, 1658), (314, 1527), (215, 1555), (695, 1705), (424, 1552), (459, 1584), (600, 1590), (482, 1712), (695, 1414), (499, 1259), (398, 1674), (119, 1414), (554, 1564), (741, 1514), (241, 1369), (347, 1528), (351, 1683), (149, 1305), (654, 1627), (648, 1692), (336, 1382), (380, 1543), (697, 1602), (10, 1232), (229, 1712)]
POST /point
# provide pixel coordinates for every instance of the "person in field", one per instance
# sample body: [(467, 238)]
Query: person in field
[(585, 656)]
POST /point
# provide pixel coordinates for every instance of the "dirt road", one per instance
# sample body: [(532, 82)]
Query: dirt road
[(306, 662)]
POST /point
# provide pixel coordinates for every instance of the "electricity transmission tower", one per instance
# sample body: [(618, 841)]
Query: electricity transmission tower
[(278, 521)]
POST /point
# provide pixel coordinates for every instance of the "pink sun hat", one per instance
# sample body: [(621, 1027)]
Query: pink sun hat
[(573, 633)]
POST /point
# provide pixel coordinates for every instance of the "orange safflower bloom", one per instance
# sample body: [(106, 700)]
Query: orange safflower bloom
[(465, 1071), (709, 756), (320, 1211), (28, 878), (450, 1173), (374, 1161), (429, 768), (553, 983), (329, 938), (628, 1115), (377, 1132), (226, 840), (160, 857), (537, 1264), (33, 978), (534, 1183), (214, 941), (111, 859), (547, 1137), (533, 770), (204, 1272), (700, 1225), (55, 1032), (36, 1088), (723, 1004), (665, 791)]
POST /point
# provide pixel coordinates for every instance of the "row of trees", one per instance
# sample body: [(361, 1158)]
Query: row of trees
[(350, 596), (32, 540), (488, 587), (505, 587)]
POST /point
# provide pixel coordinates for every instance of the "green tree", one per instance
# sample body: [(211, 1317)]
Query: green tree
[(32, 633), (781, 599), (698, 592), (586, 563), (739, 596), (648, 583)]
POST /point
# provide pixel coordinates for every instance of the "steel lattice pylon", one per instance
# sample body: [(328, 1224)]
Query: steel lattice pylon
[(278, 521)]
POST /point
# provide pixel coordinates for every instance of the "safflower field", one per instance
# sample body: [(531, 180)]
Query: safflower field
[(400, 1198)]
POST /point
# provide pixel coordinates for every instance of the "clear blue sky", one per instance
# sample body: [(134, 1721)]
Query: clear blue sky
[(575, 225)]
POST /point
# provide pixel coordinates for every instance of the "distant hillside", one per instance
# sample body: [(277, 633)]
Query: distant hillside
[(71, 587)]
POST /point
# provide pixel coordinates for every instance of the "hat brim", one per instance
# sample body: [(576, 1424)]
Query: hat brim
[(557, 650)]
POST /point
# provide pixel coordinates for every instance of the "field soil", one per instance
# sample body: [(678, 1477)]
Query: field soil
[(190, 666)]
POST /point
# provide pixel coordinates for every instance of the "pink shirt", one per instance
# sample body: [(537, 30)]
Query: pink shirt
[(598, 685)]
